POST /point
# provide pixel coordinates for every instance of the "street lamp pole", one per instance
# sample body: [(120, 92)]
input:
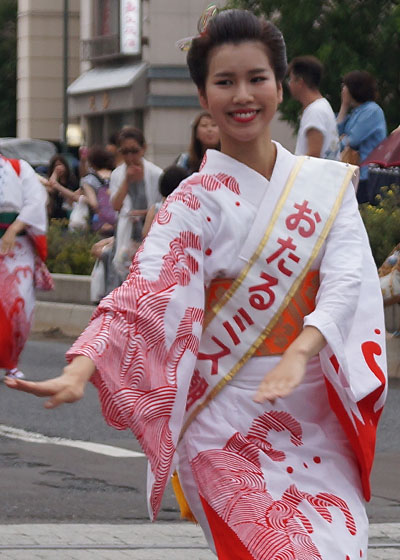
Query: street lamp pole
[(65, 78)]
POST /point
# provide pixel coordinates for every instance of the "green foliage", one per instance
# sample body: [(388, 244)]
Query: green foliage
[(8, 67), (382, 222), (69, 251), (345, 35)]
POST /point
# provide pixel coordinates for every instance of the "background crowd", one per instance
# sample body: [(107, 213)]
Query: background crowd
[(115, 192)]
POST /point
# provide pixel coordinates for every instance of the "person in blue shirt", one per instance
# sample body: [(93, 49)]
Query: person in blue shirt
[(361, 122)]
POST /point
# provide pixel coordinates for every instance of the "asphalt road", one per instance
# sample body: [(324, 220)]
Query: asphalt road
[(43, 482)]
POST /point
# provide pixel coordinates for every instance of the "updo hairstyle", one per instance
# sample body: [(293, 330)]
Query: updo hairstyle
[(236, 26)]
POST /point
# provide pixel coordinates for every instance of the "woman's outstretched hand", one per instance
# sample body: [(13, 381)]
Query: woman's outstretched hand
[(282, 379), (67, 388), (290, 371)]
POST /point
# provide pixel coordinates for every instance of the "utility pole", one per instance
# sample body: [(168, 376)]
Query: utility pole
[(64, 145)]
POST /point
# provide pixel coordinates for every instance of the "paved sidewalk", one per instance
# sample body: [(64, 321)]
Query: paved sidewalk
[(144, 541)]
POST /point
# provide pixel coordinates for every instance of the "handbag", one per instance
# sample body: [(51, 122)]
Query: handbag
[(349, 155), (78, 218), (98, 282)]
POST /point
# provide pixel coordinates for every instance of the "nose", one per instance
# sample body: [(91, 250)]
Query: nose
[(243, 93)]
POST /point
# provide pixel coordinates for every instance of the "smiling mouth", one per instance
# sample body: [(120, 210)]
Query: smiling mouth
[(244, 116)]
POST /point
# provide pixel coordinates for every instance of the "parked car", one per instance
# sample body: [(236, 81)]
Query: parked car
[(36, 152)]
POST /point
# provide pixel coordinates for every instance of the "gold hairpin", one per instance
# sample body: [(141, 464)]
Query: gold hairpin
[(206, 16)]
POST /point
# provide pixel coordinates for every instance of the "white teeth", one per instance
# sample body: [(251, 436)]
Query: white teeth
[(245, 115)]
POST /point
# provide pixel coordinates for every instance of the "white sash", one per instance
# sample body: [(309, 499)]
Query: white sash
[(248, 311)]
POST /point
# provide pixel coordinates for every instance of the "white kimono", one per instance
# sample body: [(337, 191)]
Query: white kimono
[(264, 481), (22, 194)]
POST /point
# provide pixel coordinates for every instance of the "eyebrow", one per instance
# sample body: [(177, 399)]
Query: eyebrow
[(230, 74)]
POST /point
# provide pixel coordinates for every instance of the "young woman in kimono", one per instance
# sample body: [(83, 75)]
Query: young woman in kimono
[(23, 224), (265, 398)]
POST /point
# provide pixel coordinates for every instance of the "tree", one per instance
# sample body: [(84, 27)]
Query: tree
[(345, 35), (8, 67)]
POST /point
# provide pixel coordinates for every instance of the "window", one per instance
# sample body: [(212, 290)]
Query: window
[(107, 18)]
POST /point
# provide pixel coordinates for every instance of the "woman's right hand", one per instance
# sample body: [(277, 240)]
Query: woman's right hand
[(345, 98), (67, 388)]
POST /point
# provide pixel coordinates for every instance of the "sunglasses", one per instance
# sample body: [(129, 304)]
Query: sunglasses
[(126, 151)]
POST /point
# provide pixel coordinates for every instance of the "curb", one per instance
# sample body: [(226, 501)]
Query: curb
[(141, 541), (68, 318)]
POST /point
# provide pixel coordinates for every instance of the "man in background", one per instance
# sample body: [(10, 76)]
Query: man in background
[(317, 134)]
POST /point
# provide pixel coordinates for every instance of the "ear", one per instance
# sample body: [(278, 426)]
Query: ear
[(203, 99), (279, 90)]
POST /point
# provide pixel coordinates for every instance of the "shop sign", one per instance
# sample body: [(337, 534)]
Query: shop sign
[(130, 27)]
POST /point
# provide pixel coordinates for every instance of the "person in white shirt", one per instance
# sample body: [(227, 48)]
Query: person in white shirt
[(317, 134), (134, 189)]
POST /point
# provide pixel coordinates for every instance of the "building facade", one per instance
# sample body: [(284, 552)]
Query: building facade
[(130, 71), (40, 68)]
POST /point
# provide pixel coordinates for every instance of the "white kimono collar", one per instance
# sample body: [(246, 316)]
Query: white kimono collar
[(252, 184)]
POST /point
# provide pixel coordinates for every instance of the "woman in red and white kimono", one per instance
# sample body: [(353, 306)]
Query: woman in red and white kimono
[(265, 393), (23, 225)]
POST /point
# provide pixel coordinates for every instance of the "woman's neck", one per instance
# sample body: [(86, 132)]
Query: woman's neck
[(260, 155)]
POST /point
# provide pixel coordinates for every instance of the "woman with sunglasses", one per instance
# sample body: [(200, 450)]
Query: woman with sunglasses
[(134, 189)]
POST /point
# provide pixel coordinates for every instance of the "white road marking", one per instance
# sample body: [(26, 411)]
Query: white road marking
[(32, 437)]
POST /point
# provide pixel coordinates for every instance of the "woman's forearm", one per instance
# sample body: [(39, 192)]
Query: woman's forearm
[(17, 226), (69, 195), (308, 344), (344, 109)]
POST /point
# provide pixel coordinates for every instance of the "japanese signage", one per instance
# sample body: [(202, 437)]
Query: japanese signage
[(130, 17)]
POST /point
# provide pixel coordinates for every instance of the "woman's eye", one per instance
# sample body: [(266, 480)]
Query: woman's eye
[(258, 79), (223, 82)]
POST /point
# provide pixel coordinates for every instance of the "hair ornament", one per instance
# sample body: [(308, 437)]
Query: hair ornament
[(206, 16)]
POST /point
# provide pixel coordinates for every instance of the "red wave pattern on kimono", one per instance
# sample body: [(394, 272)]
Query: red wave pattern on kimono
[(40, 244), (14, 324), (361, 433), (142, 398), (138, 385), (185, 192), (235, 497)]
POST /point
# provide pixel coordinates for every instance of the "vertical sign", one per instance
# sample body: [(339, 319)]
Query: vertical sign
[(130, 26)]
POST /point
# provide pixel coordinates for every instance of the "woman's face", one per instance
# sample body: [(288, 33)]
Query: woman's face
[(207, 132), (60, 169), (131, 151), (241, 92)]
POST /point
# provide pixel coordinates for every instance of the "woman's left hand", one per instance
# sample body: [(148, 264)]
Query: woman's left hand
[(282, 379), (7, 242), (290, 372)]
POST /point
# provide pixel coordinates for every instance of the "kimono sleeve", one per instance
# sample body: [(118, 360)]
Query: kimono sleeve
[(349, 309), (349, 313), (34, 199), (144, 336)]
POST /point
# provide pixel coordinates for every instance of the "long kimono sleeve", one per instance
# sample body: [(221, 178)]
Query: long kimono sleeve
[(144, 336), (340, 276), (349, 313), (34, 199), (349, 300), (34, 214)]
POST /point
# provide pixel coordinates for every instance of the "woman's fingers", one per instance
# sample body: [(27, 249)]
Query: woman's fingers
[(63, 396), (37, 388), (59, 391), (279, 383)]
